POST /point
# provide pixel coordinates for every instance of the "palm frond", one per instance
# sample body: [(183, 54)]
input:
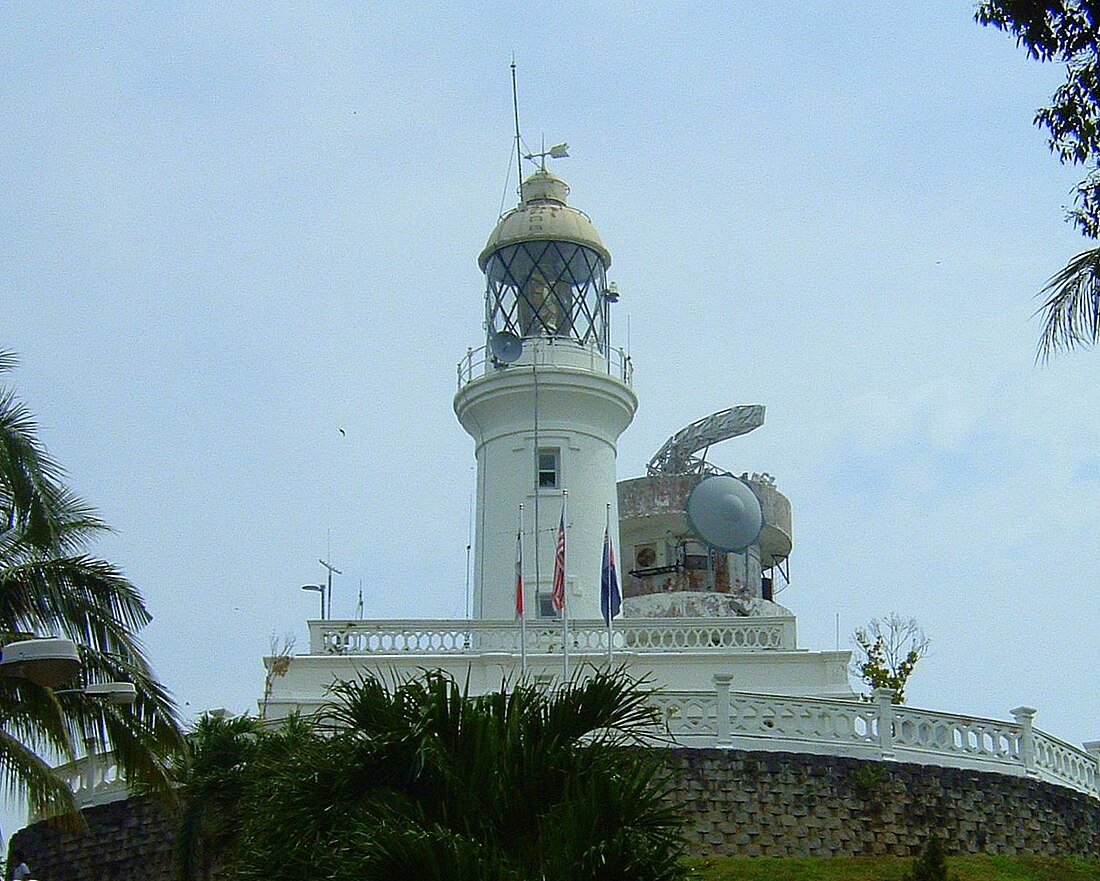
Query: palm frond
[(1071, 309), (32, 489), (50, 587), (26, 776), (81, 598)]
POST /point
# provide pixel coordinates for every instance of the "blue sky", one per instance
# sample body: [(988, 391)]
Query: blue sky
[(229, 230)]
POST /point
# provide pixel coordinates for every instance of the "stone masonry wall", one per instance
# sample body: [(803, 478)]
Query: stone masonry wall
[(738, 802), (787, 804), (124, 841)]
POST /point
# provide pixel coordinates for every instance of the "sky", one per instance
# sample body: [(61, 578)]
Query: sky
[(228, 231)]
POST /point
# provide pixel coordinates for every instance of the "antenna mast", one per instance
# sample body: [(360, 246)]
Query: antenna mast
[(330, 569), (515, 113)]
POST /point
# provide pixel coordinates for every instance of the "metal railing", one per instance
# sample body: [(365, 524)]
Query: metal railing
[(549, 352)]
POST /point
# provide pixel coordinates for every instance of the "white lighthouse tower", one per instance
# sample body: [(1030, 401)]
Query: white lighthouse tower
[(545, 400)]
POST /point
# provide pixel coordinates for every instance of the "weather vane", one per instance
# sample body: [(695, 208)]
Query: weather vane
[(558, 151)]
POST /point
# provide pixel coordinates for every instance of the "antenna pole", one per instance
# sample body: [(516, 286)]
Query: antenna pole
[(515, 113), (535, 378), (330, 569)]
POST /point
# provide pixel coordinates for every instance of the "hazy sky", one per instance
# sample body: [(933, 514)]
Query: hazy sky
[(229, 230)]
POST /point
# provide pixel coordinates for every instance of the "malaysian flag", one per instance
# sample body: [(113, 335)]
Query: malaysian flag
[(519, 573), (557, 591)]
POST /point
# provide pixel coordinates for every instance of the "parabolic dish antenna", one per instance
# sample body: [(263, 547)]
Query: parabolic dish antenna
[(505, 346), (725, 513)]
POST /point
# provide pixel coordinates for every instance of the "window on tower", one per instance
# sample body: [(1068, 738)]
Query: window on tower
[(548, 468), (546, 607)]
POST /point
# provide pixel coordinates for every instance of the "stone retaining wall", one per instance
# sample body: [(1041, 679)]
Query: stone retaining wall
[(128, 840), (787, 804), (738, 802)]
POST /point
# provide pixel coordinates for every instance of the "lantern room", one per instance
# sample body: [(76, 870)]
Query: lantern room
[(546, 270)]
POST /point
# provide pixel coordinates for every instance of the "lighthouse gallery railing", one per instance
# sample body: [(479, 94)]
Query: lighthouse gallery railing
[(549, 352)]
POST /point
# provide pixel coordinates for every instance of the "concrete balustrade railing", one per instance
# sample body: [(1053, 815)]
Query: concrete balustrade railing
[(878, 730), (94, 780), (640, 635), (875, 730)]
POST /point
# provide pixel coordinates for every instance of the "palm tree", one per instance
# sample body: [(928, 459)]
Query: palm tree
[(50, 586), (422, 780), (211, 775), (1072, 305)]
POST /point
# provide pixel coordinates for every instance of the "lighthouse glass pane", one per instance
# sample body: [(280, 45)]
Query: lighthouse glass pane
[(547, 289)]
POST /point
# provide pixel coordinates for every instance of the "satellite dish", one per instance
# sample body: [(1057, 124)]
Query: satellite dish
[(505, 346), (725, 513)]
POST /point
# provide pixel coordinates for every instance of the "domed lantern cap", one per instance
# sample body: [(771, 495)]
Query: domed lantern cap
[(725, 513), (544, 215)]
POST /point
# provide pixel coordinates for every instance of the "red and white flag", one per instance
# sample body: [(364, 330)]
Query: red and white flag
[(519, 574), (557, 591)]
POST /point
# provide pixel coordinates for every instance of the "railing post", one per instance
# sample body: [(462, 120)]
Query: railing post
[(316, 639), (722, 692), (1092, 747), (1024, 717), (884, 703)]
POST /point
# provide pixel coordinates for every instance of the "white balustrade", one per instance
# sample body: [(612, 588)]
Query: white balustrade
[(876, 730), (94, 780), (641, 635), (964, 737), (1060, 762), (730, 719)]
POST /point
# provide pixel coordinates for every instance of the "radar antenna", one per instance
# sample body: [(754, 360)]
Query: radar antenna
[(677, 456)]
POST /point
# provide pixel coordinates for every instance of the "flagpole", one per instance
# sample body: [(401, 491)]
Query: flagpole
[(565, 587), (520, 599), (606, 575)]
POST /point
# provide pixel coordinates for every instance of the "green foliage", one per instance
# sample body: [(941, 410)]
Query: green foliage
[(1067, 32), (888, 651), (422, 780), (1063, 31), (867, 780), (49, 586), (931, 865), (210, 775)]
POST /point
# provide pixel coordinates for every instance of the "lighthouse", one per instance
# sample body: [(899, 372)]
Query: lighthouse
[(545, 399)]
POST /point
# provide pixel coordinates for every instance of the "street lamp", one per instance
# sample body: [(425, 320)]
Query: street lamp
[(46, 662), (115, 693), (320, 588)]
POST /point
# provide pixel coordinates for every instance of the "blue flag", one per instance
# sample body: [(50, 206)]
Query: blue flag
[(611, 601)]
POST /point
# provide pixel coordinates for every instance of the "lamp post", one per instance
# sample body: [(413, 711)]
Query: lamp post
[(320, 588)]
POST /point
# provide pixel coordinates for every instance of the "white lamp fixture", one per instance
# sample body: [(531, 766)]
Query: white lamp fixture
[(112, 692), (46, 662)]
